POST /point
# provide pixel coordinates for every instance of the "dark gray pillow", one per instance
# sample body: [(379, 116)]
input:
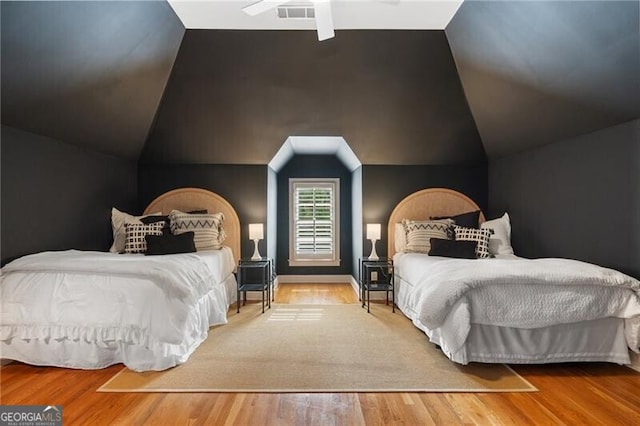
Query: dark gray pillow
[(468, 220), (452, 248), (158, 218), (170, 244)]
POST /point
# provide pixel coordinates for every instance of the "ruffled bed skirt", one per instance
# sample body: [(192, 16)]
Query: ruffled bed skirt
[(83, 347)]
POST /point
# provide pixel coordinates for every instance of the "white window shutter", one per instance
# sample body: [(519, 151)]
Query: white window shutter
[(314, 226)]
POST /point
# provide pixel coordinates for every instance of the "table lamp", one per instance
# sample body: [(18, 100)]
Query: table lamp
[(373, 234), (256, 233)]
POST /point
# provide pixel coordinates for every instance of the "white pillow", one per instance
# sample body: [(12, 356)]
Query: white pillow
[(399, 238), (500, 240), (118, 219)]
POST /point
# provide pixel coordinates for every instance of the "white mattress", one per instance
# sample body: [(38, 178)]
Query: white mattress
[(98, 309), (501, 323)]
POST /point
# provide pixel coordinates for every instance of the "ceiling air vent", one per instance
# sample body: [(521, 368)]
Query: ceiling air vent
[(296, 11)]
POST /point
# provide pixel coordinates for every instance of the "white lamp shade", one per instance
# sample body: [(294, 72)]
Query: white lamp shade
[(256, 231), (373, 231)]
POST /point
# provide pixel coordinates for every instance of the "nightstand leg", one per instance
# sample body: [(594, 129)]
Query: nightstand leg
[(393, 300)]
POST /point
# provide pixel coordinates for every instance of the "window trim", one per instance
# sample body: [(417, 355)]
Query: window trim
[(300, 260)]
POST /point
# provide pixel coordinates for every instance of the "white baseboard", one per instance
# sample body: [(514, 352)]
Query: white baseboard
[(354, 284), (317, 279), (635, 361), (320, 279)]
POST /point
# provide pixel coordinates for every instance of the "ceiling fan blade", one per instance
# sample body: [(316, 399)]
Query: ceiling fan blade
[(324, 19), (262, 6)]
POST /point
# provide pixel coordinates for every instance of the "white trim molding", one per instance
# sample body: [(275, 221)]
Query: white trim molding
[(314, 222)]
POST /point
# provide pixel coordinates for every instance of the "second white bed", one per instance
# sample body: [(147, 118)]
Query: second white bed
[(515, 322)]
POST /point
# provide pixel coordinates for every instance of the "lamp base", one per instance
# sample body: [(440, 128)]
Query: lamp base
[(373, 255), (256, 253)]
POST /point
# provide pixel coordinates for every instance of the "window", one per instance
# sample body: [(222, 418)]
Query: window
[(314, 222)]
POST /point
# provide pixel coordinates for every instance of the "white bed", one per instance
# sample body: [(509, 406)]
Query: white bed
[(89, 310), (509, 309)]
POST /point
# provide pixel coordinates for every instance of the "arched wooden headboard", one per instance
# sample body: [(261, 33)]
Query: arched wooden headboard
[(188, 199), (424, 204)]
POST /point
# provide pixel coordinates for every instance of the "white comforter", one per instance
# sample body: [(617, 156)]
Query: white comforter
[(515, 292), (182, 276), (149, 312)]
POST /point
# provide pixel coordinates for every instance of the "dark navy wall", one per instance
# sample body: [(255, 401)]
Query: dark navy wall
[(89, 73), (235, 96), (383, 187), (314, 166), (578, 198), (57, 196), (244, 186), (535, 75), (537, 72), (81, 83)]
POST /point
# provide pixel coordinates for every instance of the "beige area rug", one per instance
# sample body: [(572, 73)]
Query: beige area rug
[(319, 348)]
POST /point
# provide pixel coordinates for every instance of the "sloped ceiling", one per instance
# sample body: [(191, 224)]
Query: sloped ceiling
[(542, 71), (235, 96), (87, 73), (530, 73)]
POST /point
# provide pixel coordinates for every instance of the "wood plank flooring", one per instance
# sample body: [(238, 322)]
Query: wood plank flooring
[(570, 394)]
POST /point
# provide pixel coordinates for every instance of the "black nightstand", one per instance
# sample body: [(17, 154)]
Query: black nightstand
[(255, 275), (376, 275)]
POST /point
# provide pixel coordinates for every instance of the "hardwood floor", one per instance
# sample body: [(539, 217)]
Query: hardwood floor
[(569, 394)]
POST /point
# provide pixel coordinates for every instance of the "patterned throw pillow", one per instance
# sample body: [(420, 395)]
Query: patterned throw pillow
[(135, 241), (481, 236), (419, 233), (118, 219), (208, 233)]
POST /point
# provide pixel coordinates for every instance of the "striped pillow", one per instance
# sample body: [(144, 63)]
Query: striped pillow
[(208, 233), (135, 241), (481, 236), (419, 233)]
